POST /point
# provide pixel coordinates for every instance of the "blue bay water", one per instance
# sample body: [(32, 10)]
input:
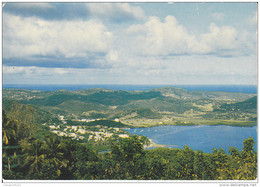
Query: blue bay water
[(201, 137), (126, 87)]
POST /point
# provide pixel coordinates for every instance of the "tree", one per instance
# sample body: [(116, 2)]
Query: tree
[(9, 129), (249, 160), (248, 149), (87, 165), (199, 166), (69, 148), (53, 151), (145, 141), (128, 154), (234, 152), (240, 165), (157, 168), (34, 155), (219, 163), (185, 159), (234, 169)]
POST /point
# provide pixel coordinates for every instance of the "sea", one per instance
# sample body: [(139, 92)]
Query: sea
[(127, 87), (199, 137)]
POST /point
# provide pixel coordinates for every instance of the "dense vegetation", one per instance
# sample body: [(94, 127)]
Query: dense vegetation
[(101, 97), (249, 105), (32, 150), (49, 157), (170, 106)]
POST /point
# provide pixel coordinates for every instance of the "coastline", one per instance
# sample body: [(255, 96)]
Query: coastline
[(152, 144), (206, 123), (248, 89)]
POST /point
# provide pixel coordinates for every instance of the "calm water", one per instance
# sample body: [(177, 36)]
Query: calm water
[(53, 87), (202, 137)]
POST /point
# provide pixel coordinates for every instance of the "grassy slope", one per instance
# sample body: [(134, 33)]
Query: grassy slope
[(249, 105), (181, 104)]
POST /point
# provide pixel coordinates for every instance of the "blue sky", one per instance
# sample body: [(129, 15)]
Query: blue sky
[(130, 43)]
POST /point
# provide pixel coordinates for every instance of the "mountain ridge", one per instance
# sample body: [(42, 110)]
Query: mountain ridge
[(167, 105)]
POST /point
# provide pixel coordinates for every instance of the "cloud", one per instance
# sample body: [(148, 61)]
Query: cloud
[(56, 62), (61, 41), (219, 39), (33, 74), (102, 43), (226, 41), (29, 6), (218, 16), (48, 11), (33, 70), (169, 37), (112, 56), (12, 70), (194, 69), (161, 38), (117, 12)]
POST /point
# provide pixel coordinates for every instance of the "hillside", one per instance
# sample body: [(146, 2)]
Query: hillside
[(25, 113), (167, 105), (247, 106)]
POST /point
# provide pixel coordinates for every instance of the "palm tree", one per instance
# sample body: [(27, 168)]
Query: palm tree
[(34, 155), (8, 130), (14, 130), (52, 146), (53, 151)]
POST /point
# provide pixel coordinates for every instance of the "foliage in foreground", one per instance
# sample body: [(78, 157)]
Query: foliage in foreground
[(50, 157)]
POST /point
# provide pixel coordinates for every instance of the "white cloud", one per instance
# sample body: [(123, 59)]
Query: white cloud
[(195, 69), (171, 38), (218, 38), (161, 38), (32, 70), (24, 37), (158, 51), (112, 56), (11, 70), (115, 11)]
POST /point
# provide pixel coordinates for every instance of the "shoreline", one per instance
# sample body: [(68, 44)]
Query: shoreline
[(248, 89), (235, 124), (152, 144)]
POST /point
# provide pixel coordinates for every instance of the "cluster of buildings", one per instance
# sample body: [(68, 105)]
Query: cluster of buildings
[(85, 132)]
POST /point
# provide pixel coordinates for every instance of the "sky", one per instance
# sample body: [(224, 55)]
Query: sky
[(130, 43)]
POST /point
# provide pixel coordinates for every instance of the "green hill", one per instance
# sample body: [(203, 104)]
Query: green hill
[(25, 113), (74, 106), (105, 97), (248, 106), (169, 105)]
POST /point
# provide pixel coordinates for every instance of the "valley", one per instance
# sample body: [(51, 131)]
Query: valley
[(164, 106), (97, 115)]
